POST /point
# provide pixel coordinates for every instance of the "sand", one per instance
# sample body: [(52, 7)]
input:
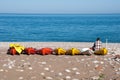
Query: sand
[(61, 67)]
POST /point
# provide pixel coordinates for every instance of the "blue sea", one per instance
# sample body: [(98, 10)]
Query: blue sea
[(59, 27)]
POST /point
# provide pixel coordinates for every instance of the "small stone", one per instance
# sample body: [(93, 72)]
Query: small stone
[(98, 68), (30, 68), (88, 65), (67, 70), (102, 62), (4, 65), (20, 77), (47, 69), (118, 73), (60, 74), (96, 65), (95, 78), (95, 61), (119, 69), (74, 69), (52, 71), (21, 70), (77, 73), (68, 77), (82, 59), (49, 78), (10, 67), (1, 70), (116, 70), (43, 62), (42, 74)]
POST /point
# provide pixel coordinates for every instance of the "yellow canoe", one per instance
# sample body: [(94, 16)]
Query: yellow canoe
[(60, 51), (19, 48), (73, 51), (102, 51)]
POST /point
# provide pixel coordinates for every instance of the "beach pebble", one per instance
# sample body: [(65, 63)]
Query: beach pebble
[(119, 69), (74, 69), (95, 77), (1, 70), (98, 67), (102, 62), (77, 73), (43, 63), (10, 67), (30, 68), (82, 59), (88, 65), (19, 70), (20, 77), (52, 71), (118, 73), (68, 77), (28, 63), (4, 65), (10, 64), (60, 74), (95, 61), (47, 69), (48, 78), (67, 70), (42, 74)]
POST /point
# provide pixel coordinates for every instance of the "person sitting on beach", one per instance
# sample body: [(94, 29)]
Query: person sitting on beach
[(97, 44)]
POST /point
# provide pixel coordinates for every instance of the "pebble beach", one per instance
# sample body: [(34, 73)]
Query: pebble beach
[(60, 67)]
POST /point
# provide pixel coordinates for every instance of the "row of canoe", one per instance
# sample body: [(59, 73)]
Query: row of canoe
[(19, 49)]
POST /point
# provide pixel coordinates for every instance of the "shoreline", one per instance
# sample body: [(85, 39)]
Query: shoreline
[(112, 47)]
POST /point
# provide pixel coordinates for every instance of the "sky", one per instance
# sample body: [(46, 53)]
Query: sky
[(60, 6)]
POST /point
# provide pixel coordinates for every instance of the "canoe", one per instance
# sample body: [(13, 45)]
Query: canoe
[(60, 51), (30, 50), (46, 51), (19, 48), (102, 51), (73, 51)]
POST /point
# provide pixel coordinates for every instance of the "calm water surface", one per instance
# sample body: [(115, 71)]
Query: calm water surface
[(59, 27)]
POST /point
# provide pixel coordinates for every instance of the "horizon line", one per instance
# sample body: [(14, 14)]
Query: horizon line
[(65, 13)]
